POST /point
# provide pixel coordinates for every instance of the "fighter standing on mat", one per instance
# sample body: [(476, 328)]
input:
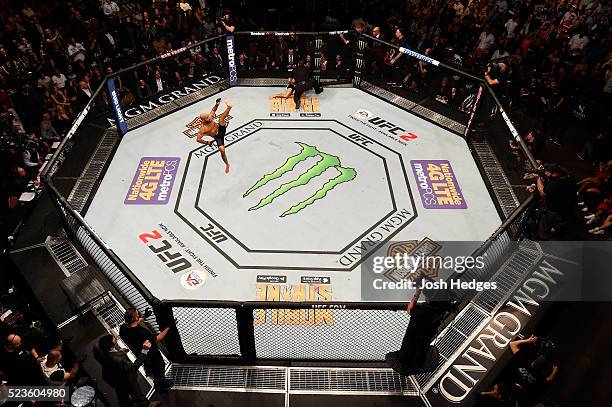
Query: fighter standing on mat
[(212, 131), (303, 82)]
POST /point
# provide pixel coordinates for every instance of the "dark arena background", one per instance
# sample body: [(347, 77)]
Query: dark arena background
[(205, 203)]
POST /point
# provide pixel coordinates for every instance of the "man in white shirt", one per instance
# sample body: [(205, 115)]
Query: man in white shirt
[(59, 79), (577, 43), (76, 51), (485, 42), (159, 83), (511, 25), (54, 371)]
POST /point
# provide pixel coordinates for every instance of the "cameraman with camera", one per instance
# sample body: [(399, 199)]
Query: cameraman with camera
[(226, 22), (558, 191), (497, 76)]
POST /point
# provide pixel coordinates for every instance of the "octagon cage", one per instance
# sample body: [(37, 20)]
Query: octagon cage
[(445, 91)]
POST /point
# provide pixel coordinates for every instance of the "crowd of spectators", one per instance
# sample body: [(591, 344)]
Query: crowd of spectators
[(55, 54), (548, 58), (31, 351)]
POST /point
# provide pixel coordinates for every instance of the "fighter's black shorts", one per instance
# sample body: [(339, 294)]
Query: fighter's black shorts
[(220, 137)]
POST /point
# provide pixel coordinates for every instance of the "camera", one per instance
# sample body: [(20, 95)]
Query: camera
[(547, 348), (493, 69)]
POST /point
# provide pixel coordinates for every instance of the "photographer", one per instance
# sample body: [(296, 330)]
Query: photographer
[(533, 368), (226, 22), (497, 76), (558, 190)]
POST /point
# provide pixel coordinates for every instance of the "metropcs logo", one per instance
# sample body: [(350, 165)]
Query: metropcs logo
[(233, 74), (383, 125), (153, 181), (326, 161)]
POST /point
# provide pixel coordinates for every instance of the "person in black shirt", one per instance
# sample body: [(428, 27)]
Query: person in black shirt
[(558, 189), (120, 373), (134, 334), (227, 23), (303, 82), (553, 101), (19, 365), (497, 76), (533, 368), (416, 354)]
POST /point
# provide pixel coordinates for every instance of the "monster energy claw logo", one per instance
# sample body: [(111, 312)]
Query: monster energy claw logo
[(325, 162)]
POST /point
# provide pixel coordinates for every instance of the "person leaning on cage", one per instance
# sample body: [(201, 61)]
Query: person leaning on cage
[(134, 334), (303, 81), (210, 130)]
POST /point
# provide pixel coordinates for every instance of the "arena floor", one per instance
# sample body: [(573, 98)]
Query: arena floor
[(309, 197)]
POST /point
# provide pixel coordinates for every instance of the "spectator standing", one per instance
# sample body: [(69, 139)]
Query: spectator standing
[(120, 373), (47, 131), (76, 51), (485, 42)]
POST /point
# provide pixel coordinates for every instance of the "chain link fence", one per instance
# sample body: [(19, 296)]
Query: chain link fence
[(246, 332)]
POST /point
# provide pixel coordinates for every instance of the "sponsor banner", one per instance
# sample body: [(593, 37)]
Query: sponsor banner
[(272, 279), (172, 53), (231, 61), (383, 126), (193, 280), (416, 55), (183, 258), (473, 111), (437, 184), (326, 161), (153, 181), (307, 317), (457, 382), (78, 122), (281, 107), (177, 258), (315, 280), (146, 106), (114, 95)]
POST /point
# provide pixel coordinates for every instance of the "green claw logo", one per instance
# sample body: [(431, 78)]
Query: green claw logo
[(326, 161)]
